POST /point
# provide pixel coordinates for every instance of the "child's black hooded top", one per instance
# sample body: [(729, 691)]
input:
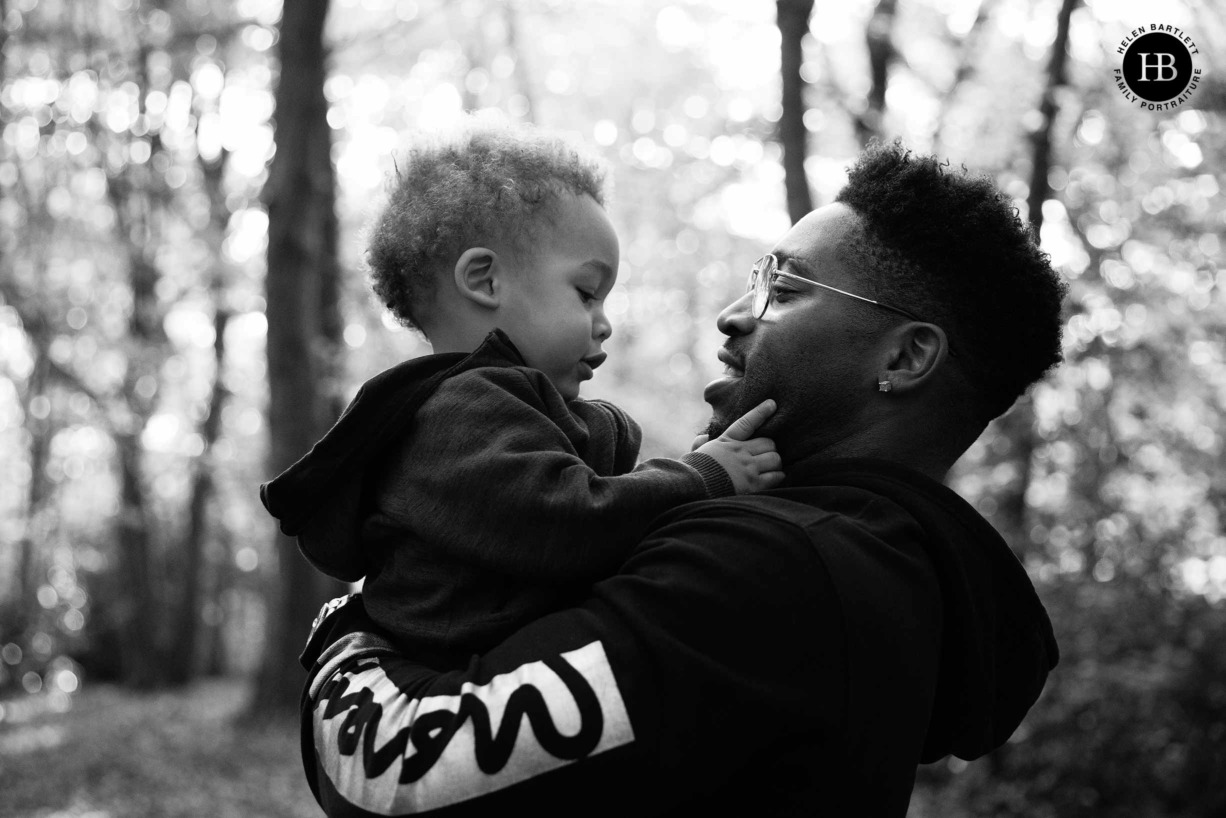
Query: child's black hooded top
[(473, 498)]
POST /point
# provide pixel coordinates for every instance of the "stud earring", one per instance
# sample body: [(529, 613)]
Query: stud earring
[(884, 386)]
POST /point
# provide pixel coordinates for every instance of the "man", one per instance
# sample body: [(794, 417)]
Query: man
[(797, 651)]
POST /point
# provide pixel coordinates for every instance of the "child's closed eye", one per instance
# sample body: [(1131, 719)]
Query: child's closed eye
[(585, 296)]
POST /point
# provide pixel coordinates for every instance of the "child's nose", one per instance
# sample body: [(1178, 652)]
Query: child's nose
[(601, 327)]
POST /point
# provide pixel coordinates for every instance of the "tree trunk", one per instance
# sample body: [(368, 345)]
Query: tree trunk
[(1018, 424), (969, 51), (182, 655), (215, 660), (141, 623), (183, 650), (135, 193), (139, 617), (879, 37), (793, 21), (302, 291), (1012, 516), (39, 488), (1057, 77), (523, 76)]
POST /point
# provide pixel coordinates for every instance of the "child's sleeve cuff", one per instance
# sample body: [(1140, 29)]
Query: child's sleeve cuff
[(714, 478)]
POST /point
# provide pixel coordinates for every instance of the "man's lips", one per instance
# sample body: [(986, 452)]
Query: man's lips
[(734, 366), (717, 391)]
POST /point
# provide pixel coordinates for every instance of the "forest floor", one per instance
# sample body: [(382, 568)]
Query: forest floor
[(119, 754), (116, 753)]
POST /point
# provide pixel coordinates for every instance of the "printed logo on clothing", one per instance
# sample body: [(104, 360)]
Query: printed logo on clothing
[(426, 753), (1158, 71)]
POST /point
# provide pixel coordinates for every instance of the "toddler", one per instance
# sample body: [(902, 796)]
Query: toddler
[(473, 488)]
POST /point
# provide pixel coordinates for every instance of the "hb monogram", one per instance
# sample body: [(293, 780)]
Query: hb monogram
[(1164, 62)]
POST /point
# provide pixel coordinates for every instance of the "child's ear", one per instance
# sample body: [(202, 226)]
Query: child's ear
[(477, 277)]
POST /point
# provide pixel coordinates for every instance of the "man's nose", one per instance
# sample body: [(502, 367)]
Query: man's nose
[(736, 318)]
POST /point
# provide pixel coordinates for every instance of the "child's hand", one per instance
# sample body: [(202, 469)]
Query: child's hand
[(753, 465)]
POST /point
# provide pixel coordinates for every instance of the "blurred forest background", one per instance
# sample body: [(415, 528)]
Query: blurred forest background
[(183, 311)]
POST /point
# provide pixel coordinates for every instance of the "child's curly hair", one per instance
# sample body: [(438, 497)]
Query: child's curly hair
[(484, 180), (950, 247)]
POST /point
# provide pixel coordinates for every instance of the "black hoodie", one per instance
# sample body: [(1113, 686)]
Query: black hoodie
[(473, 498), (796, 652)]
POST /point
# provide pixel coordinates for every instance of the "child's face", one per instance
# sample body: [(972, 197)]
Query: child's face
[(553, 307)]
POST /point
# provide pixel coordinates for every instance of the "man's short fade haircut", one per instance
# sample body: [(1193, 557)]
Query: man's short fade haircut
[(950, 247), (481, 182)]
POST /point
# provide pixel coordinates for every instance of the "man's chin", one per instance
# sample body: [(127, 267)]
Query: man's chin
[(722, 394), (730, 398)]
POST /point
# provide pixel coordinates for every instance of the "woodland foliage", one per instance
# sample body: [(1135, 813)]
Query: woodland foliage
[(136, 141)]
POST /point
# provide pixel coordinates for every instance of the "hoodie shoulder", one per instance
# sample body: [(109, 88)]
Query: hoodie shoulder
[(998, 642), (902, 550), (487, 399), (318, 499)]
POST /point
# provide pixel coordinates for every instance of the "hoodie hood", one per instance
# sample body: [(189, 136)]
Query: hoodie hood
[(318, 499), (997, 641)]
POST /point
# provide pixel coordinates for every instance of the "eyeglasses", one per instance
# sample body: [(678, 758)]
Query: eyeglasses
[(762, 285)]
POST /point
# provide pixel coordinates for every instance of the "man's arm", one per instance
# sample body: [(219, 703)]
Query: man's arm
[(720, 638)]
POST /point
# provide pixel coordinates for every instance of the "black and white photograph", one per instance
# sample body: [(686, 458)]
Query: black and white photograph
[(612, 408)]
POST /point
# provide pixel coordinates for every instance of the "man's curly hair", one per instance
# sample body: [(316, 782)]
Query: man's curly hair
[(481, 182), (951, 248)]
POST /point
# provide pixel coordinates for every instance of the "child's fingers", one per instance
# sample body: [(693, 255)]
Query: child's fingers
[(769, 462), (748, 423), (698, 441), (758, 446), (770, 480)]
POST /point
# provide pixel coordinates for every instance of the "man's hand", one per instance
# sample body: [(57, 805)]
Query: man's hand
[(753, 464)]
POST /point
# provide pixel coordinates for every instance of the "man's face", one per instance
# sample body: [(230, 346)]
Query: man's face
[(554, 305), (812, 351)]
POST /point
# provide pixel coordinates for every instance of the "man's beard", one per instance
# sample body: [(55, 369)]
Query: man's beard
[(715, 428), (752, 390)]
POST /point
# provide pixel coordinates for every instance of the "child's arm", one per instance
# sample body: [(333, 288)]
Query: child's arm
[(751, 462), (734, 463), (491, 475)]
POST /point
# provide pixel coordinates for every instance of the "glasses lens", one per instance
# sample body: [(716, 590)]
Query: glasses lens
[(760, 280)]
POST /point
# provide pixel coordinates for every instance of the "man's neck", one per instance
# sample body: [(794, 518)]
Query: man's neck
[(904, 453)]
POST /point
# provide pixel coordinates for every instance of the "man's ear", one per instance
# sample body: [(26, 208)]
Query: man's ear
[(477, 277), (917, 351)]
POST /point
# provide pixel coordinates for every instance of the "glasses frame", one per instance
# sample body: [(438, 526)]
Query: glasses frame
[(766, 292)]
